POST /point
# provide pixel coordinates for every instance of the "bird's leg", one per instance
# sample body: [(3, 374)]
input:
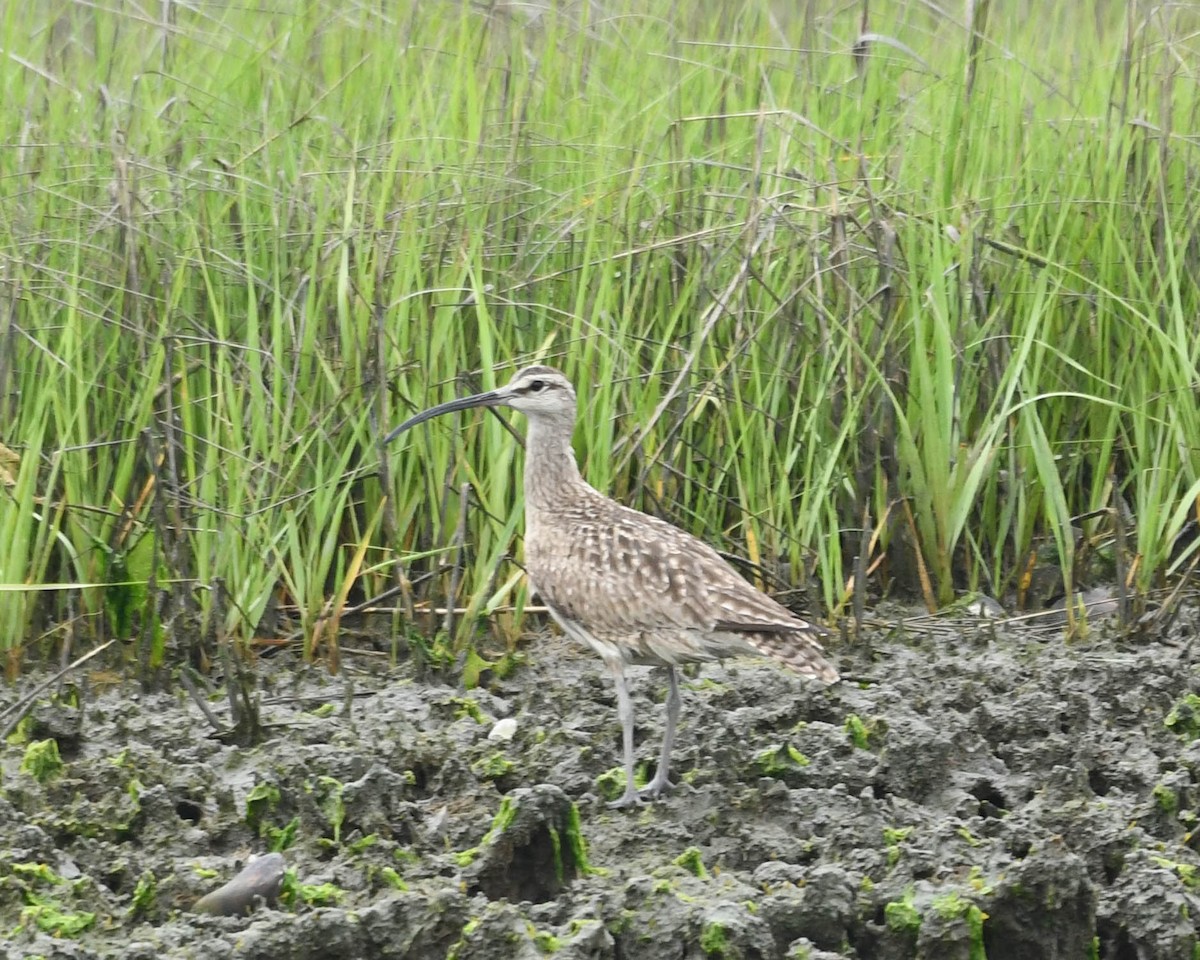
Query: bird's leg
[(661, 782), (625, 712)]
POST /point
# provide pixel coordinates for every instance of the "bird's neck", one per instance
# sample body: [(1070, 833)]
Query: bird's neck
[(551, 473)]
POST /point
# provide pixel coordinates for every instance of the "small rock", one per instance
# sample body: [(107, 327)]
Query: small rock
[(503, 729), (805, 948), (985, 606), (435, 826), (261, 878)]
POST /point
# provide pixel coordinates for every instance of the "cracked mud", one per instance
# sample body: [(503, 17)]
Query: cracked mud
[(970, 795)]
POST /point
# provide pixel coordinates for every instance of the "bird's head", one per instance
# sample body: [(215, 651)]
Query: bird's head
[(541, 393)]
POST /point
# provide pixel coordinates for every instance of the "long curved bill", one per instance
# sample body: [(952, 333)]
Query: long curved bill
[(492, 398)]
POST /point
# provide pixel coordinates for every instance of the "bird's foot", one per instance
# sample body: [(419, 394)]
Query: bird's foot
[(630, 798), (656, 789)]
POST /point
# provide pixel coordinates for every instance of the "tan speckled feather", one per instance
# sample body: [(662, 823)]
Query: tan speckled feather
[(636, 588)]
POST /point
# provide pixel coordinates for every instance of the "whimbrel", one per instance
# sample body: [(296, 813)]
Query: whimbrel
[(630, 586)]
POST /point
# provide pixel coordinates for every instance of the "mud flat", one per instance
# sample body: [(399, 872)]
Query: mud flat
[(968, 795)]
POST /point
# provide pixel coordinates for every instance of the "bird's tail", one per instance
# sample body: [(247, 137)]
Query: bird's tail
[(797, 649)]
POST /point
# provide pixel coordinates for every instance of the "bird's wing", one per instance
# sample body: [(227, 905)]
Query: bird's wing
[(620, 569), (632, 582)]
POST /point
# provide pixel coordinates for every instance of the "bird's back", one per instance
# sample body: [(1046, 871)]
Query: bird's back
[(639, 588)]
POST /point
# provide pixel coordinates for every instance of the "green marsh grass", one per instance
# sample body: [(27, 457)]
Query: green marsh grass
[(899, 297)]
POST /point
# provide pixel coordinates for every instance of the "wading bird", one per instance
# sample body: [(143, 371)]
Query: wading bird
[(634, 588)]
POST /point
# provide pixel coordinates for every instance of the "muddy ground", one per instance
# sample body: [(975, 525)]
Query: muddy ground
[(971, 793)]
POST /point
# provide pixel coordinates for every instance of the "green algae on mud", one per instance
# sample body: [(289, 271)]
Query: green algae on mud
[(42, 760), (1016, 807)]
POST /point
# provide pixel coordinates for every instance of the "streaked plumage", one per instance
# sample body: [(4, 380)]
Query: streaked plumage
[(632, 587)]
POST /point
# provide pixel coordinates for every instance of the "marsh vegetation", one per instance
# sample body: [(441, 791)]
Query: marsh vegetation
[(883, 300), (874, 301)]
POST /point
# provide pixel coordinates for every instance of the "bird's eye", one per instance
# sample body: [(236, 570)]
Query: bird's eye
[(536, 386)]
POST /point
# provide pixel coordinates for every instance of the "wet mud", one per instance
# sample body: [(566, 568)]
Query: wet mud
[(968, 793)]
